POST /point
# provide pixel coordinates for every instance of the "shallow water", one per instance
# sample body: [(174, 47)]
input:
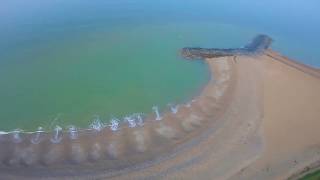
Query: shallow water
[(97, 73), (66, 62)]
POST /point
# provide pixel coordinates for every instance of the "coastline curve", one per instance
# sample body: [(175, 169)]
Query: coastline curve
[(105, 152)]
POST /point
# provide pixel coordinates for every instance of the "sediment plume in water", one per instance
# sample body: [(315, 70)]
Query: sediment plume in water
[(134, 142)]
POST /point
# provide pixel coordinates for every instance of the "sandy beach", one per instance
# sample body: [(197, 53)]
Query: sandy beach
[(291, 120), (257, 118), (268, 131)]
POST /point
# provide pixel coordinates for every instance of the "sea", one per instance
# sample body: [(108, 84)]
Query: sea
[(76, 61)]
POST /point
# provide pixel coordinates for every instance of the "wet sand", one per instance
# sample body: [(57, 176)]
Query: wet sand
[(270, 130), (257, 118), (107, 153)]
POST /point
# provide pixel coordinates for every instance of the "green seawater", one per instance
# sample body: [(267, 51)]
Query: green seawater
[(104, 72), (68, 62)]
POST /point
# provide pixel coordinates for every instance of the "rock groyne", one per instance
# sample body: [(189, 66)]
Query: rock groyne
[(256, 46)]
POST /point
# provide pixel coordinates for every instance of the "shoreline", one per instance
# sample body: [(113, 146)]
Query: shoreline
[(233, 130), (121, 120), (170, 133), (218, 157)]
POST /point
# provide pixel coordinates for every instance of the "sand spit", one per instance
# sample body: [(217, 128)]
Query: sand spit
[(232, 140), (257, 118), (291, 120), (269, 130), (106, 153)]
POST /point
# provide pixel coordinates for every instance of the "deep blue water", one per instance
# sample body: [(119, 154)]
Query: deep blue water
[(294, 24)]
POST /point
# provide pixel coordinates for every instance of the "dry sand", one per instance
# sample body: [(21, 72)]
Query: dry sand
[(257, 118), (291, 120), (270, 130)]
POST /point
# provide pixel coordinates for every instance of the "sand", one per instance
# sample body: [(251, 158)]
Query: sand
[(257, 118), (291, 120), (270, 130)]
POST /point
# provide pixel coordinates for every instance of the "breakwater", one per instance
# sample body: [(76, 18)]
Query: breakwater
[(256, 46), (137, 141)]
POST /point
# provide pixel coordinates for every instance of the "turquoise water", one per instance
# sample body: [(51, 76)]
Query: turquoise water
[(75, 60), (106, 72)]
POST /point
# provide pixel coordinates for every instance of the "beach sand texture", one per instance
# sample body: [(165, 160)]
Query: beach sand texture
[(270, 130), (257, 118)]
